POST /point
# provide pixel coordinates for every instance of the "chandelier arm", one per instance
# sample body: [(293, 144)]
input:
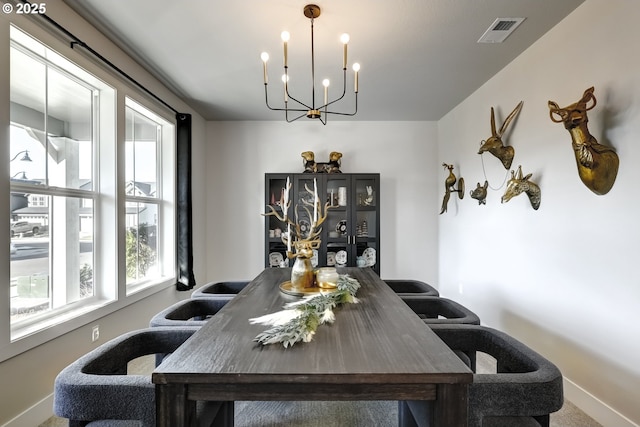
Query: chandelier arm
[(286, 115), (299, 102), (345, 114), (344, 91), (266, 98)]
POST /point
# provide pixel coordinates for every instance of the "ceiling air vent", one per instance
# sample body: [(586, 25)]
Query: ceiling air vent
[(500, 30)]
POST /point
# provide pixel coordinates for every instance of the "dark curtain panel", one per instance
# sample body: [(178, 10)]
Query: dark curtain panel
[(186, 279)]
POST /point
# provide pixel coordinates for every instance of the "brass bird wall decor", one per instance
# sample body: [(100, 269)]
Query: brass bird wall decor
[(449, 184)]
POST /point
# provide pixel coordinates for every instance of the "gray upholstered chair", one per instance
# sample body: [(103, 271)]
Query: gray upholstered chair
[(190, 312), (525, 389), (95, 390), (411, 288), (433, 310), (220, 289)]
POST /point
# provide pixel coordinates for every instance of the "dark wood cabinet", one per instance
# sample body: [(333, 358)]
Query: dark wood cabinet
[(351, 232)]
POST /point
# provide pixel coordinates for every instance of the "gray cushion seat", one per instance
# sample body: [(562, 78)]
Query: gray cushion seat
[(96, 389), (190, 312), (525, 389), (411, 288), (433, 310), (220, 289)]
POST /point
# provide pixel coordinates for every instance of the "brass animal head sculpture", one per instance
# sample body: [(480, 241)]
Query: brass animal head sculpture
[(518, 185), (449, 183), (480, 193), (494, 144), (308, 160), (597, 163), (297, 237)]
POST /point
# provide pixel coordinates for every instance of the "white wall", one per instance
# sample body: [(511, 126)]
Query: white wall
[(562, 279), (240, 153)]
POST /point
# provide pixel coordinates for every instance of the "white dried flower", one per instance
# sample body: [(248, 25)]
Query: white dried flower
[(328, 316)]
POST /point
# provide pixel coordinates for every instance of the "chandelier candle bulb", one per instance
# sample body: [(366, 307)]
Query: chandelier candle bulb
[(325, 83), (345, 40), (285, 79), (285, 38), (356, 68), (265, 58)]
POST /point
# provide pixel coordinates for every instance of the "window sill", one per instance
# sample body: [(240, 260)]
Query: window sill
[(29, 336)]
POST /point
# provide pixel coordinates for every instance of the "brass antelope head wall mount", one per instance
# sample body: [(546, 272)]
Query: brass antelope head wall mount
[(494, 144), (597, 163), (518, 185)]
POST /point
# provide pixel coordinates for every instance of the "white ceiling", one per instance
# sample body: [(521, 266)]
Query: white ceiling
[(419, 58)]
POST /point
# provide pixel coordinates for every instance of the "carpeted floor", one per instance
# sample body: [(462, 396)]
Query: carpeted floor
[(339, 414)]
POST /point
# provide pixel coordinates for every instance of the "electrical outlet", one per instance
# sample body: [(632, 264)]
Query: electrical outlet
[(95, 333)]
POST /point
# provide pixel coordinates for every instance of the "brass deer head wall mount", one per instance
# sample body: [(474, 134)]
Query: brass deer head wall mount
[(597, 163)]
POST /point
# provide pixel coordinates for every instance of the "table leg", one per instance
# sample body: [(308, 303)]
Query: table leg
[(172, 406), (452, 405), (225, 416)]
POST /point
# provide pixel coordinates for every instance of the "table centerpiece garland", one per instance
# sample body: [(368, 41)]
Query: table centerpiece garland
[(300, 319)]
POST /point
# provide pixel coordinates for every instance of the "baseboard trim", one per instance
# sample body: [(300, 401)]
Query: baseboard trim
[(594, 407), (580, 397), (35, 415)]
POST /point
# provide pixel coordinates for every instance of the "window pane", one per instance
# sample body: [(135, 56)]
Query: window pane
[(46, 273), (59, 148), (70, 148), (141, 243), (141, 153), (28, 89)]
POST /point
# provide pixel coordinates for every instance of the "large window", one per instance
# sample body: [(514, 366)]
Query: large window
[(83, 234)]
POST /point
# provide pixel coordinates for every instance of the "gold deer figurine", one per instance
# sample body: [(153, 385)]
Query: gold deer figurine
[(298, 238), (449, 182), (597, 163), (494, 144), (518, 185)]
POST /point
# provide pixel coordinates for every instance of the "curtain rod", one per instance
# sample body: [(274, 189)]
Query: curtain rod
[(76, 41)]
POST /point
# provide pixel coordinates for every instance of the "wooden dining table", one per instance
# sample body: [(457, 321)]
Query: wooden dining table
[(377, 349)]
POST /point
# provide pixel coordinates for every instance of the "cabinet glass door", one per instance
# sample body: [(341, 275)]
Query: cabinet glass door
[(276, 250), (365, 221), (337, 227)]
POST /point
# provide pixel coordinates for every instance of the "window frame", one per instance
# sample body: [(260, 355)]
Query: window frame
[(109, 199)]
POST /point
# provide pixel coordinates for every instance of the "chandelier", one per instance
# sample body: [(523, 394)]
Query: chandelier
[(311, 110)]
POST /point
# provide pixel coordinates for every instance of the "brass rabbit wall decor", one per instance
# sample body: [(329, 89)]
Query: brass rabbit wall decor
[(449, 184), (597, 163), (494, 143)]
